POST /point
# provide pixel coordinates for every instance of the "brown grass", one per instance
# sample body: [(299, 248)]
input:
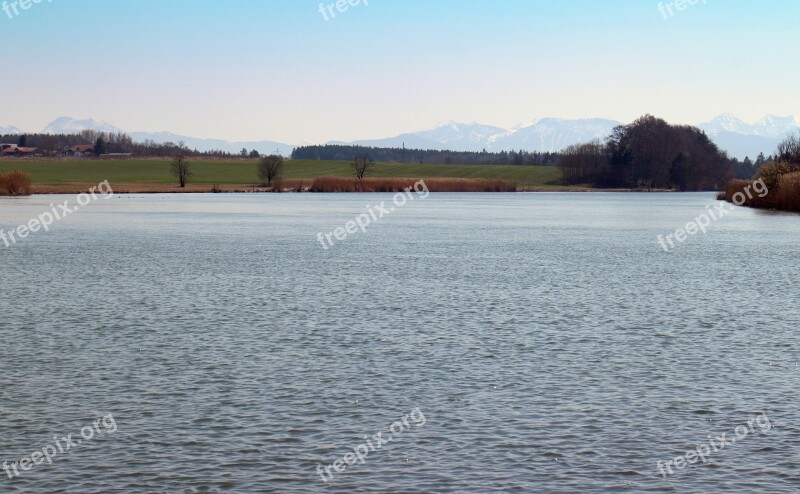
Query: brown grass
[(344, 184), (15, 183), (788, 196), (783, 195)]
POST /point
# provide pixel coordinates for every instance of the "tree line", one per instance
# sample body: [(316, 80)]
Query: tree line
[(110, 142), (748, 168), (345, 152), (649, 153)]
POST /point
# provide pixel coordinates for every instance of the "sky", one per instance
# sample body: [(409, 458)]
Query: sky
[(282, 70)]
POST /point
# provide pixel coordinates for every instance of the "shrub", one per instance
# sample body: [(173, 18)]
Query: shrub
[(15, 183), (771, 173)]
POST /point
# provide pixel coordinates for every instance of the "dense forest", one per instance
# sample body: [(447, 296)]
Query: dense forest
[(649, 153), (400, 155)]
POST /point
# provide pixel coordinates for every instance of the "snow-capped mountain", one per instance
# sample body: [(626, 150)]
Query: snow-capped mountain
[(463, 137), (726, 123), (774, 126), (729, 132), (741, 139), (770, 126), (545, 135), (410, 141), (552, 134), (10, 131), (68, 125), (264, 147)]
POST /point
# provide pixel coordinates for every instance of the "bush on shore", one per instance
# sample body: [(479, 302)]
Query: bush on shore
[(784, 191), (781, 178), (15, 183), (347, 184)]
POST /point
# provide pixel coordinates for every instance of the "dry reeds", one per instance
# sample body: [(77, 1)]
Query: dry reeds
[(742, 187), (347, 184), (15, 183), (788, 196), (783, 195)]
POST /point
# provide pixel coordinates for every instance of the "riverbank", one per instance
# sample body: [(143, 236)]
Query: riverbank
[(155, 188), (319, 185), (781, 192), (152, 176), (239, 174)]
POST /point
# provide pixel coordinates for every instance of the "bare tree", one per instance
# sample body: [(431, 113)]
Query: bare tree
[(181, 169), (789, 150), (362, 165), (583, 163), (270, 169)]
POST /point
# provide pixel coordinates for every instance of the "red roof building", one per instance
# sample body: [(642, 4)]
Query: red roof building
[(18, 151)]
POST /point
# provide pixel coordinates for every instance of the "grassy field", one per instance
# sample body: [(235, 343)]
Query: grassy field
[(244, 172)]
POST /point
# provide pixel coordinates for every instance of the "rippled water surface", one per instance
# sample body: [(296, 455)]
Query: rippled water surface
[(549, 341)]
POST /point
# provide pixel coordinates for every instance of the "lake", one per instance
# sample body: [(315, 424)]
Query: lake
[(549, 341)]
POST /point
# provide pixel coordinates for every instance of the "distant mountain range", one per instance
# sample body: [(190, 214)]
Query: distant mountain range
[(264, 147), (741, 139), (731, 134), (545, 135), (10, 130), (68, 125)]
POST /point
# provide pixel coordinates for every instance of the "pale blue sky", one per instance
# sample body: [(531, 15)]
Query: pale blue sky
[(276, 69)]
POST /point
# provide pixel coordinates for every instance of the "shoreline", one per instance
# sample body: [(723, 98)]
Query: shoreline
[(133, 188)]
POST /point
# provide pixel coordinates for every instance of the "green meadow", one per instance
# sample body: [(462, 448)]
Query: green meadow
[(240, 172)]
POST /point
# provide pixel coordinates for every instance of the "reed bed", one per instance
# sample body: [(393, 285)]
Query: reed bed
[(345, 184), (15, 183), (788, 196), (784, 195)]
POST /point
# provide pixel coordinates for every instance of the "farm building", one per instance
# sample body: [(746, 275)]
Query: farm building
[(14, 150), (79, 151)]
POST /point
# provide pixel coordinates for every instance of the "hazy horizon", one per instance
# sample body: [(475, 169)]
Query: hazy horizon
[(243, 71)]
